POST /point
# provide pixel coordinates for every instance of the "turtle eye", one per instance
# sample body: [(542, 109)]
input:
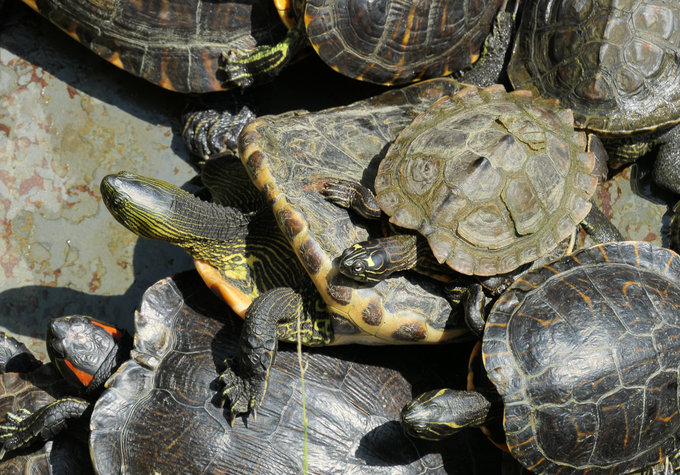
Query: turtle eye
[(358, 267)]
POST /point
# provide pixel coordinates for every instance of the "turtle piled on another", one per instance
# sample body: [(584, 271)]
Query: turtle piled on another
[(492, 179), (584, 357), (159, 413), (616, 65), (279, 282)]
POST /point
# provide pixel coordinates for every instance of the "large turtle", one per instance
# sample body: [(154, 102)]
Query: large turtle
[(584, 357), (174, 44), (159, 412), (273, 278), (389, 41), (616, 65), (492, 179)]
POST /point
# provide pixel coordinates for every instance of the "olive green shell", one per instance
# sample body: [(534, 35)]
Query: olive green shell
[(493, 179), (287, 157), (585, 353), (614, 63), (399, 41), (175, 44), (160, 413)]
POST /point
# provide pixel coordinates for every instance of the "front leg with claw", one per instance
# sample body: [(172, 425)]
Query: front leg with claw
[(23, 428), (274, 315)]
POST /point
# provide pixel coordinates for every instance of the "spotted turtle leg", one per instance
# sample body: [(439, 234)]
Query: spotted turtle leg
[(24, 428), (271, 317)]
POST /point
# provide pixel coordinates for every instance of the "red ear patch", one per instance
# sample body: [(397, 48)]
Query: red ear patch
[(83, 377), (113, 331)]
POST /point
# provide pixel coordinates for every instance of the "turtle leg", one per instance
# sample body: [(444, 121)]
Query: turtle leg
[(598, 226), (208, 133), (489, 68), (351, 195), (272, 316), (244, 67), (25, 427), (667, 164), (437, 414)]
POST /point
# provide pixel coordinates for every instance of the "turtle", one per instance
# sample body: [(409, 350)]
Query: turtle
[(492, 179), (175, 45), (582, 354), (390, 42), (622, 86), (158, 411), (26, 383), (276, 265)]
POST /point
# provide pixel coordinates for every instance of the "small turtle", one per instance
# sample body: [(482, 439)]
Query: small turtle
[(177, 45), (492, 179), (616, 65), (583, 354), (389, 41), (272, 278)]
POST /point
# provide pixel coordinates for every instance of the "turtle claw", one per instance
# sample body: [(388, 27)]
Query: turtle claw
[(337, 191), (243, 394)]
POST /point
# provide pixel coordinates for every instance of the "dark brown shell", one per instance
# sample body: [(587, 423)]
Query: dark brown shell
[(615, 64), (585, 353), (175, 44), (493, 179), (399, 41)]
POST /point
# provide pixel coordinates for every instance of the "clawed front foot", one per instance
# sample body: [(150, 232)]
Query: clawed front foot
[(208, 133), (244, 395), (338, 191)]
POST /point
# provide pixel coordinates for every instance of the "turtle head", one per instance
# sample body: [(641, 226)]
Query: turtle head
[(139, 203), (437, 414), (86, 351), (376, 259), (365, 262)]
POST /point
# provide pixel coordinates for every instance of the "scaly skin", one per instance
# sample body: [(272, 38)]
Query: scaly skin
[(259, 276)]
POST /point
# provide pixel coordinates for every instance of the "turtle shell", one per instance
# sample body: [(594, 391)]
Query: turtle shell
[(174, 44), (615, 64), (493, 179), (287, 156), (396, 41), (585, 354), (160, 411), (32, 390)]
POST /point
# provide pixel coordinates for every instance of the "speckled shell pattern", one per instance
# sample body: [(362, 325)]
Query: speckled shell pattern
[(288, 156), (399, 41), (174, 44), (493, 179), (613, 62), (585, 353)]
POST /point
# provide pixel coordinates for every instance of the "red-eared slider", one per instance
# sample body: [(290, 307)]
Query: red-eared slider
[(25, 383), (279, 280), (39, 401), (177, 44), (584, 353), (492, 179), (389, 41), (615, 64)]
